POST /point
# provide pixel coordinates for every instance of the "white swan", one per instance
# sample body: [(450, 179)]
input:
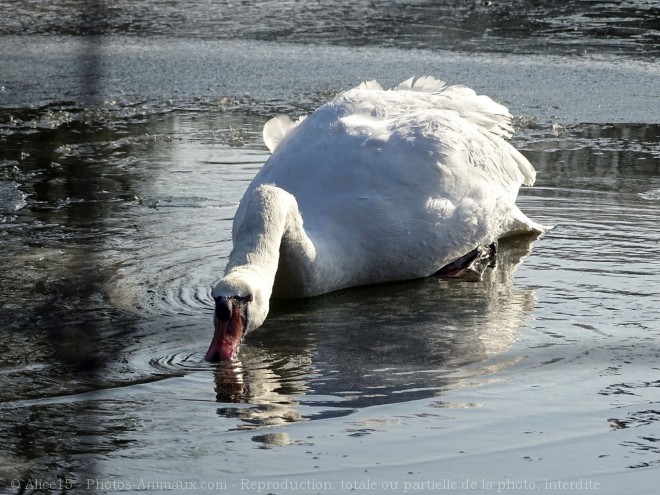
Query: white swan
[(374, 186)]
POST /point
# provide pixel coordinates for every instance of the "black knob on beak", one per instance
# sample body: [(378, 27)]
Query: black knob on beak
[(223, 308)]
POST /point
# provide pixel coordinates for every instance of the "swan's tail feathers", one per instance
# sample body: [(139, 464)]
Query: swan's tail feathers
[(519, 224), (479, 109), (526, 168), (276, 129)]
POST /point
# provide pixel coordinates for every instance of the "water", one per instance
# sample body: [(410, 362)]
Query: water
[(127, 136)]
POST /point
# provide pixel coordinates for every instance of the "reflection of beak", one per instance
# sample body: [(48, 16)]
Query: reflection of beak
[(230, 383), (227, 337)]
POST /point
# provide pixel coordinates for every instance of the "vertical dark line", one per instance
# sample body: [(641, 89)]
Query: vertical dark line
[(85, 343), (92, 29)]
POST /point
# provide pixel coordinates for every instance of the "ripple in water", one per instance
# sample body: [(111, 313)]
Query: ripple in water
[(11, 197), (180, 362), (190, 301), (652, 195)]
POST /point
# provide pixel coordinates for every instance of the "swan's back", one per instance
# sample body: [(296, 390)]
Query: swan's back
[(396, 184)]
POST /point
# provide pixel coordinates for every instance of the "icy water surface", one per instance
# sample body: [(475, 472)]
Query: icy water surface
[(128, 133)]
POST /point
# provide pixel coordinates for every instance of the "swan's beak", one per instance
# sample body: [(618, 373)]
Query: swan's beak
[(227, 337)]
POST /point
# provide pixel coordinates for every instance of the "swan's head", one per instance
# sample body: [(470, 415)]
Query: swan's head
[(241, 305)]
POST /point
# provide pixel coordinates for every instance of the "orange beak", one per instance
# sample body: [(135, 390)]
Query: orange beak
[(227, 337)]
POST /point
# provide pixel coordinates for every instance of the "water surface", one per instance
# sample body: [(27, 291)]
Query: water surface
[(127, 137)]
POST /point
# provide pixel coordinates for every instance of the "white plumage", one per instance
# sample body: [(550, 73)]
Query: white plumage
[(375, 186)]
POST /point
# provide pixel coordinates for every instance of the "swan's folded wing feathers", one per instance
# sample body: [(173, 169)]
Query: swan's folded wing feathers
[(424, 84), (479, 109), (370, 85), (277, 128), (529, 174)]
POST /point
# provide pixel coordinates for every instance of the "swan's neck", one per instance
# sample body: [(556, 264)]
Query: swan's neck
[(268, 233)]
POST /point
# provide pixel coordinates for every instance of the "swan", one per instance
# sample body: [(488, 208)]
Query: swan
[(374, 186)]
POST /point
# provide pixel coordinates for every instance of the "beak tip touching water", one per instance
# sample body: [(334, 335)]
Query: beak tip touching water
[(212, 355), (220, 353), (222, 348)]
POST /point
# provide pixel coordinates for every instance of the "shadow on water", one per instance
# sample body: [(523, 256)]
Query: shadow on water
[(66, 347), (377, 345)]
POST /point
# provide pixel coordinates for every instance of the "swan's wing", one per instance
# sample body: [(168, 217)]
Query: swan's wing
[(277, 128), (419, 94), (436, 114), (479, 109), (425, 84), (366, 126), (375, 145), (372, 84)]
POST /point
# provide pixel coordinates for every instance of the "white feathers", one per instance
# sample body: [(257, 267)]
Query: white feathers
[(371, 85), (277, 128), (389, 185), (429, 108), (426, 84), (479, 109), (529, 174)]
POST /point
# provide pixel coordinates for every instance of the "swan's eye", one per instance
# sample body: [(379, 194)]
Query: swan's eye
[(222, 308), (244, 299)]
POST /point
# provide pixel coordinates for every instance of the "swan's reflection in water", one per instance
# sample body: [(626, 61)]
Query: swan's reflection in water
[(376, 345), (264, 384)]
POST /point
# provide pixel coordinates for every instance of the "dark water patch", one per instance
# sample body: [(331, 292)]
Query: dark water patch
[(636, 419), (53, 303), (645, 447), (619, 158), (567, 28), (11, 198), (67, 457), (70, 201), (630, 388)]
